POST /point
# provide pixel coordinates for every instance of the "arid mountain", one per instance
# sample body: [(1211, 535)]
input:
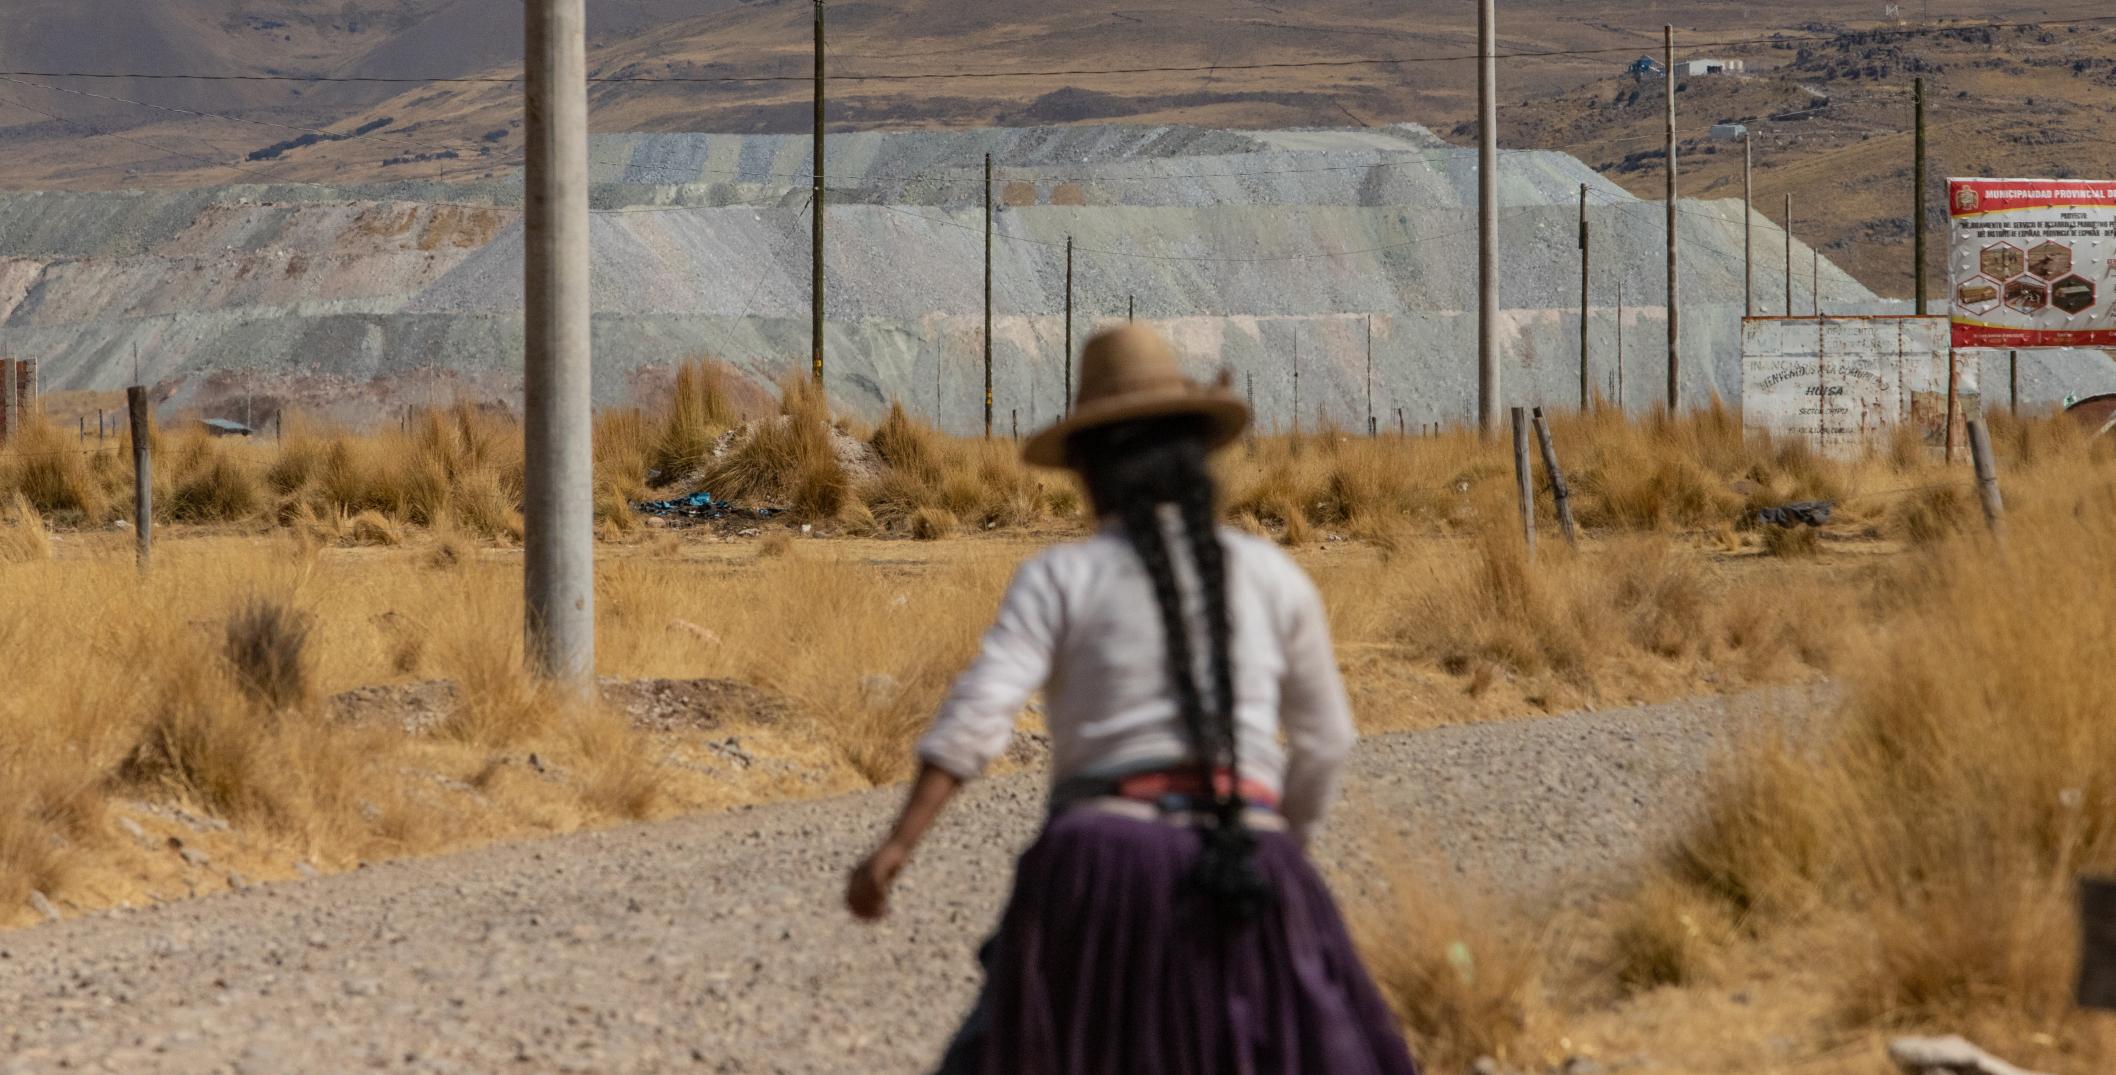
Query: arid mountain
[(2014, 101)]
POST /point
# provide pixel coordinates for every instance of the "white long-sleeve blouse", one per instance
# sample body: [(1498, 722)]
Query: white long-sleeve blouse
[(1080, 622)]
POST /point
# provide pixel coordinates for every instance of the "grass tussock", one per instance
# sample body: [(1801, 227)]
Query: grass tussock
[(23, 537), (1939, 820), (460, 468), (1576, 626), (1459, 973), (700, 408)]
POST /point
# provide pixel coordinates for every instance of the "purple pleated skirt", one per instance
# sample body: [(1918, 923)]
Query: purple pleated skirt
[(1109, 960)]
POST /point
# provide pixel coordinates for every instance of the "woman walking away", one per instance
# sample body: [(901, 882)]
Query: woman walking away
[(1167, 921)]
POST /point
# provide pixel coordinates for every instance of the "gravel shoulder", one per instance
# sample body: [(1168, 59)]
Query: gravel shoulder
[(716, 943)]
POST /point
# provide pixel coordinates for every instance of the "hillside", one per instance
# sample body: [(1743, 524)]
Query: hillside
[(2022, 102), (1832, 122)]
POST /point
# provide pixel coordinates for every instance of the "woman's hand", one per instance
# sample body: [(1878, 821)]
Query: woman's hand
[(867, 892)]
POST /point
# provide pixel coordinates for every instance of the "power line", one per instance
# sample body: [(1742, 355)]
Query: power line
[(1282, 65), (1315, 256)]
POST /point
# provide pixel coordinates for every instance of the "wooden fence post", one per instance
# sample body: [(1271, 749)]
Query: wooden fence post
[(1559, 492), (142, 474), (1986, 476), (1524, 480), (2097, 943)]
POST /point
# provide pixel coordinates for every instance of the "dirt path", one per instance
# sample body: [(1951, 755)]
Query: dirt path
[(717, 943)]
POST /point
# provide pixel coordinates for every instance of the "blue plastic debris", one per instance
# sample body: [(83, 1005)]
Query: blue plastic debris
[(700, 506)]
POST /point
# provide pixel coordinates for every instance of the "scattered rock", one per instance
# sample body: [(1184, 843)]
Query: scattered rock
[(362, 987), (132, 828), (651, 704), (702, 634), (193, 857), (1950, 1055), (41, 903), (306, 871), (879, 688), (237, 881), (732, 749)]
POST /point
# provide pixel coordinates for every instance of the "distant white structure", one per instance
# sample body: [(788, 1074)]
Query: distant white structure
[(1692, 68), (1729, 132)]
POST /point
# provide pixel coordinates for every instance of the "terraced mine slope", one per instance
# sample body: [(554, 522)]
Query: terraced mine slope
[(1247, 247)]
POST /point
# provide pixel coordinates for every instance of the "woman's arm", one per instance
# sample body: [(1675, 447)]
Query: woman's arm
[(1313, 710), (973, 727), (868, 892)]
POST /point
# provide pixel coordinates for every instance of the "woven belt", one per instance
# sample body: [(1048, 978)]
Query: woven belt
[(1162, 783), (1258, 819)]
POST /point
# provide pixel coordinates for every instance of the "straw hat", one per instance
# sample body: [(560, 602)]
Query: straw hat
[(1129, 373)]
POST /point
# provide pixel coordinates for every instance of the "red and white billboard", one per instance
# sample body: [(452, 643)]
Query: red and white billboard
[(2034, 263)]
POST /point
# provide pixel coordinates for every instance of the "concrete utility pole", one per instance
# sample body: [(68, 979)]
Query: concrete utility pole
[(1748, 225), (815, 200), (1674, 347), (988, 296), (1586, 392), (1918, 199), (558, 482), (1068, 411), (1488, 410)]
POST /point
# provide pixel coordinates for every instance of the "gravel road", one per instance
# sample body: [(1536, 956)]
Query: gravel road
[(717, 943)]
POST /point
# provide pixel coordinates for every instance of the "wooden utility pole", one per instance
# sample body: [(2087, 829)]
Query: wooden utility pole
[(1131, 308), (1748, 225), (815, 201), (1954, 402), (1586, 391), (1917, 201), (1370, 375), (1560, 493), (988, 296), (1068, 406), (142, 474), (1296, 384), (1674, 292), (1524, 480), (1986, 477), (1487, 218), (558, 484), (1788, 255), (1620, 343)]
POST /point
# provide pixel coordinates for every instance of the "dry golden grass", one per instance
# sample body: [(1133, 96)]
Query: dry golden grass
[(22, 533), (1461, 974), (460, 469), (1970, 777), (1967, 752), (1905, 862)]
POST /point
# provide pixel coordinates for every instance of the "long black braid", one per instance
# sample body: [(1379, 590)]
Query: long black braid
[(1130, 470)]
